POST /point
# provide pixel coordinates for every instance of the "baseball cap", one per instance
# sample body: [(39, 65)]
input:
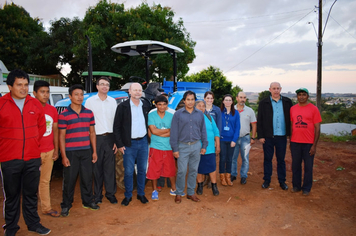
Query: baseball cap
[(302, 90)]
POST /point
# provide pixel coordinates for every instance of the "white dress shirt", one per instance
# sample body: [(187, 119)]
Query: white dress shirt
[(104, 113)]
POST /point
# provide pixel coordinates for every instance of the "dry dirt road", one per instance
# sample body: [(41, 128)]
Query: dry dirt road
[(248, 209)]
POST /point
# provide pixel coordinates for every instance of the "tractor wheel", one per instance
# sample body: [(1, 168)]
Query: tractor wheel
[(120, 170)]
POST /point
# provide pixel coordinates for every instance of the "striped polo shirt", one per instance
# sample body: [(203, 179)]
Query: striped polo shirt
[(77, 127)]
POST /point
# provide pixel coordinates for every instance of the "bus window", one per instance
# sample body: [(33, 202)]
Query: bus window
[(56, 98)]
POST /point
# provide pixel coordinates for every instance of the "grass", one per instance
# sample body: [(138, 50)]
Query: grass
[(335, 139)]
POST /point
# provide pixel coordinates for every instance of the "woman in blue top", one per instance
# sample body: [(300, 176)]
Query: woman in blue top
[(211, 109), (207, 164), (230, 131)]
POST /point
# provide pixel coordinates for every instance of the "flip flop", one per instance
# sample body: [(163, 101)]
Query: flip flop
[(52, 213)]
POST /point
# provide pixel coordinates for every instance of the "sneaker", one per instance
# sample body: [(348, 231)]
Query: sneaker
[(41, 230), (173, 193), (159, 188), (305, 193), (91, 206), (154, 195), (65, 212)]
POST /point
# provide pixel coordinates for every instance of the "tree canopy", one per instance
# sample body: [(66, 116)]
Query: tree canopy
[(219, 83), (108, 23), (23, 42), (262, 95)]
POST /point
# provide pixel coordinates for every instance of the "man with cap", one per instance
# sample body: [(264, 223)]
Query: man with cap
[(305, 119)]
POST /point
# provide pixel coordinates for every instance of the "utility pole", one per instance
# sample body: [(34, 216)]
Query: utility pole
[(320, 54)]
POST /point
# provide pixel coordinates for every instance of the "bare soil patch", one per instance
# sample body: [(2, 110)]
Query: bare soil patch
[(330, 209)]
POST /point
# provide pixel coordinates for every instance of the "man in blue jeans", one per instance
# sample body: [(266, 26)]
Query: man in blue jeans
[(188, 141), (130, 131), (247, 117), (273, 127)]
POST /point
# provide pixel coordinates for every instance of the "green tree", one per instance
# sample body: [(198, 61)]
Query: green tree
[(348, 115), (109, 23), (23, 42), (262, 95), (219, 84), (65, 34)]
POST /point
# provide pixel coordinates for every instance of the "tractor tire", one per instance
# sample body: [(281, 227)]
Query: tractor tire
[(120, 170)]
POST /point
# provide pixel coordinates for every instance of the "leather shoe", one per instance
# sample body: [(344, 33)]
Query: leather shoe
[(193, 198), (283, 185), (243, 180), (113, 200), (295, 190), (178, 199), (266, 184), (126, 201), (142, 198), (233, 178)]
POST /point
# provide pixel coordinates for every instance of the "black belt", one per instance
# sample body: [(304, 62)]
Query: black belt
[(104, 134), (138, 138), (190, 143), (245, 135)]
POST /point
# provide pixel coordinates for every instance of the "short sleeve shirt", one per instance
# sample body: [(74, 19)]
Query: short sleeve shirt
[(77, 128), (157, 142), (247, 116), (51, 116), (303, 119)]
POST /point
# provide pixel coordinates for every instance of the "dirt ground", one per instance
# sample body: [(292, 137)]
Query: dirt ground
[(330, 209)]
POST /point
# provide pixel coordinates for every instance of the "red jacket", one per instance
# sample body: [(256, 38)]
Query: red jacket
[(20, 134)]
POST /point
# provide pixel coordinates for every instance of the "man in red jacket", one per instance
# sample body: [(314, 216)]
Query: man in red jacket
[(22, 127)]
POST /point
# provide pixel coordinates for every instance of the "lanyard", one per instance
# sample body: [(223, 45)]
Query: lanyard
[(227, 118)]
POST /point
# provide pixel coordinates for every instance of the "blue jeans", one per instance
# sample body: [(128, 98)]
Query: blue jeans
[(226, 154), (300, 152), (240, 147), (189, 156), (280, 143), (138, 152)]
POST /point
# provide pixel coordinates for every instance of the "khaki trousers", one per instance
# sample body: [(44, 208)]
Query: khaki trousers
[(45, 179)]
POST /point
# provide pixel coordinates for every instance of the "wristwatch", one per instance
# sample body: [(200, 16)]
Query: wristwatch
[(253, 138)]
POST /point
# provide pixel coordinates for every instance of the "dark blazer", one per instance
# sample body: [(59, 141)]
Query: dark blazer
[(265, 117), (122, 123)]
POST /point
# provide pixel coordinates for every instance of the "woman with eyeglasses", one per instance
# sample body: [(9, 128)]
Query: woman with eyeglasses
[(230, 131)]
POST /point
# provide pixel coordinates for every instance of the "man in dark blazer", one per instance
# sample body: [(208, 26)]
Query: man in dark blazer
[(273, 127), (130, 131)]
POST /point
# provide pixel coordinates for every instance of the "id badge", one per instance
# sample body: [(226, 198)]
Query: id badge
[(226, 128)]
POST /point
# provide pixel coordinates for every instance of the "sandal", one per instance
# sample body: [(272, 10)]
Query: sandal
[(52, 213)]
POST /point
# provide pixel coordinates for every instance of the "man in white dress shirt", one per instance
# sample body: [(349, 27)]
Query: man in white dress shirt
[(104, 107)]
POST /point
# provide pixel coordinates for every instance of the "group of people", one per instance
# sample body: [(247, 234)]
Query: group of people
[(173, 143)]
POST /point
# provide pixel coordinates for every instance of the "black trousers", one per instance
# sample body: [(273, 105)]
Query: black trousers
[(104, 168), (18, 177), (300, 153), (280, 144), (80, 163)]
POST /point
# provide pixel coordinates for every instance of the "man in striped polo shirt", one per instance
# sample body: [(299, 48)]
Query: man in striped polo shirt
[(76, 134)]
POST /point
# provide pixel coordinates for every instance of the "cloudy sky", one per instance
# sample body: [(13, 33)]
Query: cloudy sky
[(254, 42)]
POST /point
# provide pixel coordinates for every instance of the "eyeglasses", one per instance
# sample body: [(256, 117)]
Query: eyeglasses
[(104, 85)]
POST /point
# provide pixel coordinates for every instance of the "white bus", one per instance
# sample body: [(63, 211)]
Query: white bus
[(56, 93)]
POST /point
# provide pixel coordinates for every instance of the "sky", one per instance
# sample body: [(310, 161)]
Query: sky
[(253, 42)]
